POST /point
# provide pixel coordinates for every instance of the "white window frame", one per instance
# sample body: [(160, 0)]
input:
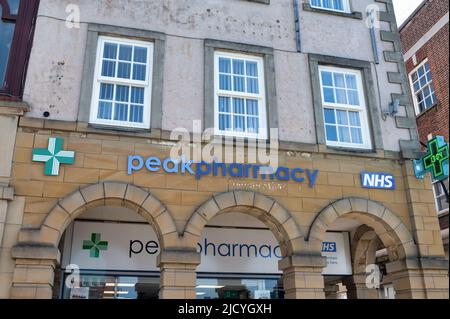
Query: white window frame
[(261, 97), (99, 79), (345, 3), (445, 210), (362, 108), (411, 83)]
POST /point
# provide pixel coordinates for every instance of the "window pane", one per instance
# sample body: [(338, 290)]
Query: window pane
[(137, 95), (110, 51), (252, 69), (106, 91), (104, 110), (331, 133), (338, 5), (423, 81), (252, 124), (351, 81), (421, 71), (327, 78), (252, 107), (339, 80), (428, 102), (224, 122), (316, 3), (13, 6), (238, 84), (238, 67), (330, 117), (356, 135), (252, 86), (341, 96), (125, 52), (121, 112), (109, 68), (225, 82), (224, 65), (328, 95), (224, 104), (137, 113), (354, 118), (342, 117), (353, 97), (327, 4), (344, 134), (416, 86), (239, 123), (429, 78), (238, 106), (124, 70), (139, 72), (140, 54), (122, 93)]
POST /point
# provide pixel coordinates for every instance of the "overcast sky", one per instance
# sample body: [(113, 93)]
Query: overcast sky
[(403, 8)]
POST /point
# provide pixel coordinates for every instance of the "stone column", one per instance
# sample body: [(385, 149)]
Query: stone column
[(331, 291), (357, 288), (422, 278), (178, 273), (34, 271), (302, 276)]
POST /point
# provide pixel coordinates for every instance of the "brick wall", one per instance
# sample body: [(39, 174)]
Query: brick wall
[(427, 17), (435, 120)]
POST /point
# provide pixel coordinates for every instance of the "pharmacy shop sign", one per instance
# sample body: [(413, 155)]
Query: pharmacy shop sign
[(135, 247), (201, 169)]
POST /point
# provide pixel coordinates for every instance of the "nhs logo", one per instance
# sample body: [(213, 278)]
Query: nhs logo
[(377, 180), (329, 247)]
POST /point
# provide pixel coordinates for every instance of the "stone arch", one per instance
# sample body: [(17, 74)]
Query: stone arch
[(388, 227), (364, 246), (278, 219), (101, 194)]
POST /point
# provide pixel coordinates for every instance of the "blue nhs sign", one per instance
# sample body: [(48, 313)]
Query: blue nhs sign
[(329, 247), (378, 180)]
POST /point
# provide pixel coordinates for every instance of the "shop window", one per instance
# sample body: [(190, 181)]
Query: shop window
[(101, 286), (122, 84), (239, 288), (17, 18), (344, 108), (240, 106), (332, 5), (440, 196), (423, 87)]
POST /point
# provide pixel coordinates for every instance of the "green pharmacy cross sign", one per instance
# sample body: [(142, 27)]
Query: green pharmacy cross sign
[(95, 245), (53, 156), (435, 161)]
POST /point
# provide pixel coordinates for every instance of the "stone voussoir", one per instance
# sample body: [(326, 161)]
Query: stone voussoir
[(225, 200), (73, 202), (93, 192), (115, 190), (244, 198), (342, 206)]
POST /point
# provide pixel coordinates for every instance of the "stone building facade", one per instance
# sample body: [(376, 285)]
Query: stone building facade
[(299, 51)]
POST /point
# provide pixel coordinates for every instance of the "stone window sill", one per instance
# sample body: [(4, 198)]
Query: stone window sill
[(352, 15), (260, 1)]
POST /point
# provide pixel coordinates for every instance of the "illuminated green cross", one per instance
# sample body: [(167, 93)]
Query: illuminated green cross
[(95, 245), (53, 156), (435, 159)]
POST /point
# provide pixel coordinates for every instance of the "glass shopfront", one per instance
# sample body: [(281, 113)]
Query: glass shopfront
[(101, 286)]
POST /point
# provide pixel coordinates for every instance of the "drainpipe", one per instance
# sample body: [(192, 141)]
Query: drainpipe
[(298, 38)]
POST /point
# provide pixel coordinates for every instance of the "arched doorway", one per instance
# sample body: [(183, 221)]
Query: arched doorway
[(271, 216), (239, 260), (102, 205), (375, 237)]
